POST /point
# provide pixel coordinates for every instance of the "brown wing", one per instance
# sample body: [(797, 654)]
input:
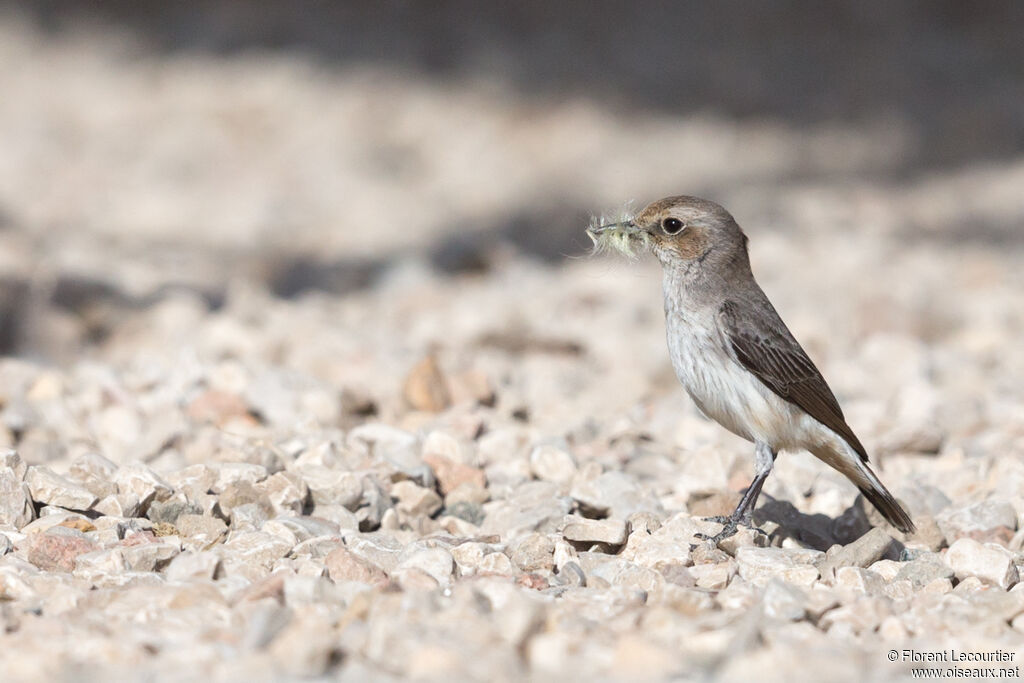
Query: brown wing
[(764, 346)]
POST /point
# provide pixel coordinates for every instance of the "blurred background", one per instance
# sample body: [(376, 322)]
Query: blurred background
[(148, 148)]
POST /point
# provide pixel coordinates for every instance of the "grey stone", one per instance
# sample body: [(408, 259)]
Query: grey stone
[(306, 528), (143, 482), (119, 505), (582, 530), (923, 570), (10, 458), (227, 473), (286, 491), (784, 601), (760, 565), (147, 557), (978, 520), (415, 500), (202, 532), (436, 562), (168, 511), (614, 494), (193, 565), (16, 509), (49, 487), (867, 549), (534, 506), (333, 487), (533, 552), (550, 463), (254, 547), (989, 562)]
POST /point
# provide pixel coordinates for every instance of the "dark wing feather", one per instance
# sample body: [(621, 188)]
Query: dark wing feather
[(765, 347)]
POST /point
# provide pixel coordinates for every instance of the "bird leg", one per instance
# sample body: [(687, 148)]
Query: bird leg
[(764, 458)]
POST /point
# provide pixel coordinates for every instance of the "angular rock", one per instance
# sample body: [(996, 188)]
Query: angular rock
[(582, 530), (760, 565), (142, 482), (426, 388), (333, 487), (534, 506), (286, 492), (193, 565), (988, 520), (254, 547), (924, 570), (344, 565), (784, 601), (415, 500), (451, 474), (168, 511), (858, 579), (989, 562), (227, 473), (16, 509), (10, 458), (145, 554), (50, 488), (203, 532), (533, 552), (119, 505), (436, 563), (92, 465), (614, 494), (550, 463), (867, 549), (57, 548), (712, 576)]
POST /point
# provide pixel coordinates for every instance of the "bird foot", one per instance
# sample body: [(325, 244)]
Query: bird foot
[(730, 525)]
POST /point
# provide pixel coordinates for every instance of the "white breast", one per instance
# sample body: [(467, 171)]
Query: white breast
[(724, 390)]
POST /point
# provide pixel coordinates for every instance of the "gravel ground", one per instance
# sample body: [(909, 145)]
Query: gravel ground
[(245, 436)]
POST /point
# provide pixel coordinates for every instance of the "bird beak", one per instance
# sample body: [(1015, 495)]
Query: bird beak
[(625, 226)]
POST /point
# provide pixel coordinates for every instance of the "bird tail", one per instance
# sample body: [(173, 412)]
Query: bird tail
[(857, 471), (874, 490)]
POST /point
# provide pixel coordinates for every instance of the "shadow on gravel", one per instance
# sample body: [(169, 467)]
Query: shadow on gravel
[(948, 70)]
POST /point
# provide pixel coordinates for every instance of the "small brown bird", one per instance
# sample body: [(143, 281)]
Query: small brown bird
[(733, 354)]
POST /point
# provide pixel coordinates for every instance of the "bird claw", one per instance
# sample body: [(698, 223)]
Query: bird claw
[(730, 525)]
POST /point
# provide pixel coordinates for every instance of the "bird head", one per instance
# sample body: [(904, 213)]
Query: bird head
[(679, 230)]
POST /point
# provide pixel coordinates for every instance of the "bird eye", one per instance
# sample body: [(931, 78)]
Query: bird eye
[(672, 226)]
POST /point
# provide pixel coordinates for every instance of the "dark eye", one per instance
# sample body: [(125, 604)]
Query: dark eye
[(672, 226)]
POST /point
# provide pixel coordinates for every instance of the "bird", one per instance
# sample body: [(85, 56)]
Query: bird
[(734, 355)]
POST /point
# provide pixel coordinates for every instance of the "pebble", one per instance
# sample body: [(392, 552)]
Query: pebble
[(924, 569), (451, 475), (550, 463), (988, 562), (415, 500), (16, 509), (989, 520), (344, 565), (333, 487), (142, 482), (760, 565), (50, 488), (867, 549), (533, 552), (437, 563), (784, 601), (193, 565), (57, 548), (202, 532), (608, 531)]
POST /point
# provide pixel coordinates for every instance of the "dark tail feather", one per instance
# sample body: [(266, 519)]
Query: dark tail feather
[(890, 509)]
